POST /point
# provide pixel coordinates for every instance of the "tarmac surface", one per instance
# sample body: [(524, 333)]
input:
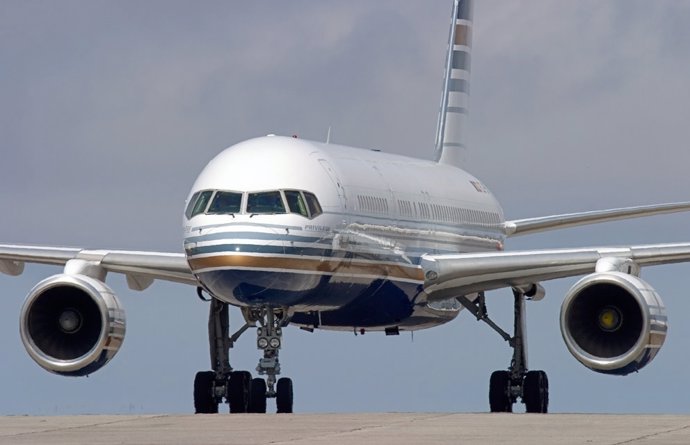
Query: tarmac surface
[(342, 429)]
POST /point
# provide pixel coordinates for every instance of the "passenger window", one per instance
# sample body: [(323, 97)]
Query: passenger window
[(190, 205), (265, 202), (225, 203), (296, 202), (313, 204), (201, 203)]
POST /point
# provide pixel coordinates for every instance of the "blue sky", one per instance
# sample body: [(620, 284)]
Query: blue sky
[(108, 110)]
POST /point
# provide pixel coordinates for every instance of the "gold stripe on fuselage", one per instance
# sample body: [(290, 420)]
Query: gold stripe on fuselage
[(320, 265)]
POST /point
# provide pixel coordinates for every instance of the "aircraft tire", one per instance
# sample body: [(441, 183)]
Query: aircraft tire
[(257, 396), (499, 399), (284, 395), (204, 402), (536, 392), (238, 391)]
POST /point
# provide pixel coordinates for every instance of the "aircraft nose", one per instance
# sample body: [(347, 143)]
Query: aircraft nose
[(254, 267)]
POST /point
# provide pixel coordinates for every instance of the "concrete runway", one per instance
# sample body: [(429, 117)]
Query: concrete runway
[(342, 429)]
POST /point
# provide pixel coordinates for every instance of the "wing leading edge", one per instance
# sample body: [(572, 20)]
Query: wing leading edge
[(449, 276), (141, 268), (541, 224)]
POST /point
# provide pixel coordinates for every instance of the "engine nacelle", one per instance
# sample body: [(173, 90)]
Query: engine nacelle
[(72, 324), (613, 323)]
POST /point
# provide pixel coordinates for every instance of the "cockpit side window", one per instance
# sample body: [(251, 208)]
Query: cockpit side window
[(313, 204), (201, 202), (190, 205), (225, 203), (265, 202), (296, 203)]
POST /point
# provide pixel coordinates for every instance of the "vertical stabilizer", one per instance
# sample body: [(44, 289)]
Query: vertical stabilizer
[(456, 87)]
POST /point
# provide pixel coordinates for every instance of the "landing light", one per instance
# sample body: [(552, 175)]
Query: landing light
[(262, 343), (274, 342)]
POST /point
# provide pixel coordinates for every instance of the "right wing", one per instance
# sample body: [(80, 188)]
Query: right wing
[(140, 268)]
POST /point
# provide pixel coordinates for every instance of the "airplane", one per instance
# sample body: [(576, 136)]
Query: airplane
[(331, 237)]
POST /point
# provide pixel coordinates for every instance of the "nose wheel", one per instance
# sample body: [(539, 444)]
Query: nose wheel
[(257, 398), (284, 395)]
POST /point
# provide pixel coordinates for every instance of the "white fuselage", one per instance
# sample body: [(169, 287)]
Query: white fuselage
[(353, 263)]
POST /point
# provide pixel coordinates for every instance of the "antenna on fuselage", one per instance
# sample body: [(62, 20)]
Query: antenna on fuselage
[(456, 87), (328, 135)]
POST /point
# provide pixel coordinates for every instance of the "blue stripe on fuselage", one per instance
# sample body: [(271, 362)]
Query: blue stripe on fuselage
[(254, 236)]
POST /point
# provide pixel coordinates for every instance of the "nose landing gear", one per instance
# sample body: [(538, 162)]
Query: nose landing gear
[(269, 338), (240, 391)]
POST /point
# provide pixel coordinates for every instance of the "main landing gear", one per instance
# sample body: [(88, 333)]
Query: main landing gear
[(243, 393), (506, 386)]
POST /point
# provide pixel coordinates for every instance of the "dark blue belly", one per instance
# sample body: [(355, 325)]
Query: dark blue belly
[(378, 302)]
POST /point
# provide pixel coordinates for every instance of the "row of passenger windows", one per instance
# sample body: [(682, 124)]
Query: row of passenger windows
[(372, 204), (221, 202), (458, 215), (432, 212)]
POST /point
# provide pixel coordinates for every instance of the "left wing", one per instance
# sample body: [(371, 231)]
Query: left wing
[(543, 223), (140, 268), (447, 276)]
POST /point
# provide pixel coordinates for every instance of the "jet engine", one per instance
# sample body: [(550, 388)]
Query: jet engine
[(613, 323), (72, 324)]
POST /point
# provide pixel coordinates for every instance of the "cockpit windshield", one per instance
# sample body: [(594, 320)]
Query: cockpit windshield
[(201, 202), (296, 202), (313, 203), (190, 205), (225, 203), (265, 202)]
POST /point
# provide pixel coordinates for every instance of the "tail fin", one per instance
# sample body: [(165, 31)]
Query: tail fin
[(456, 87)]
